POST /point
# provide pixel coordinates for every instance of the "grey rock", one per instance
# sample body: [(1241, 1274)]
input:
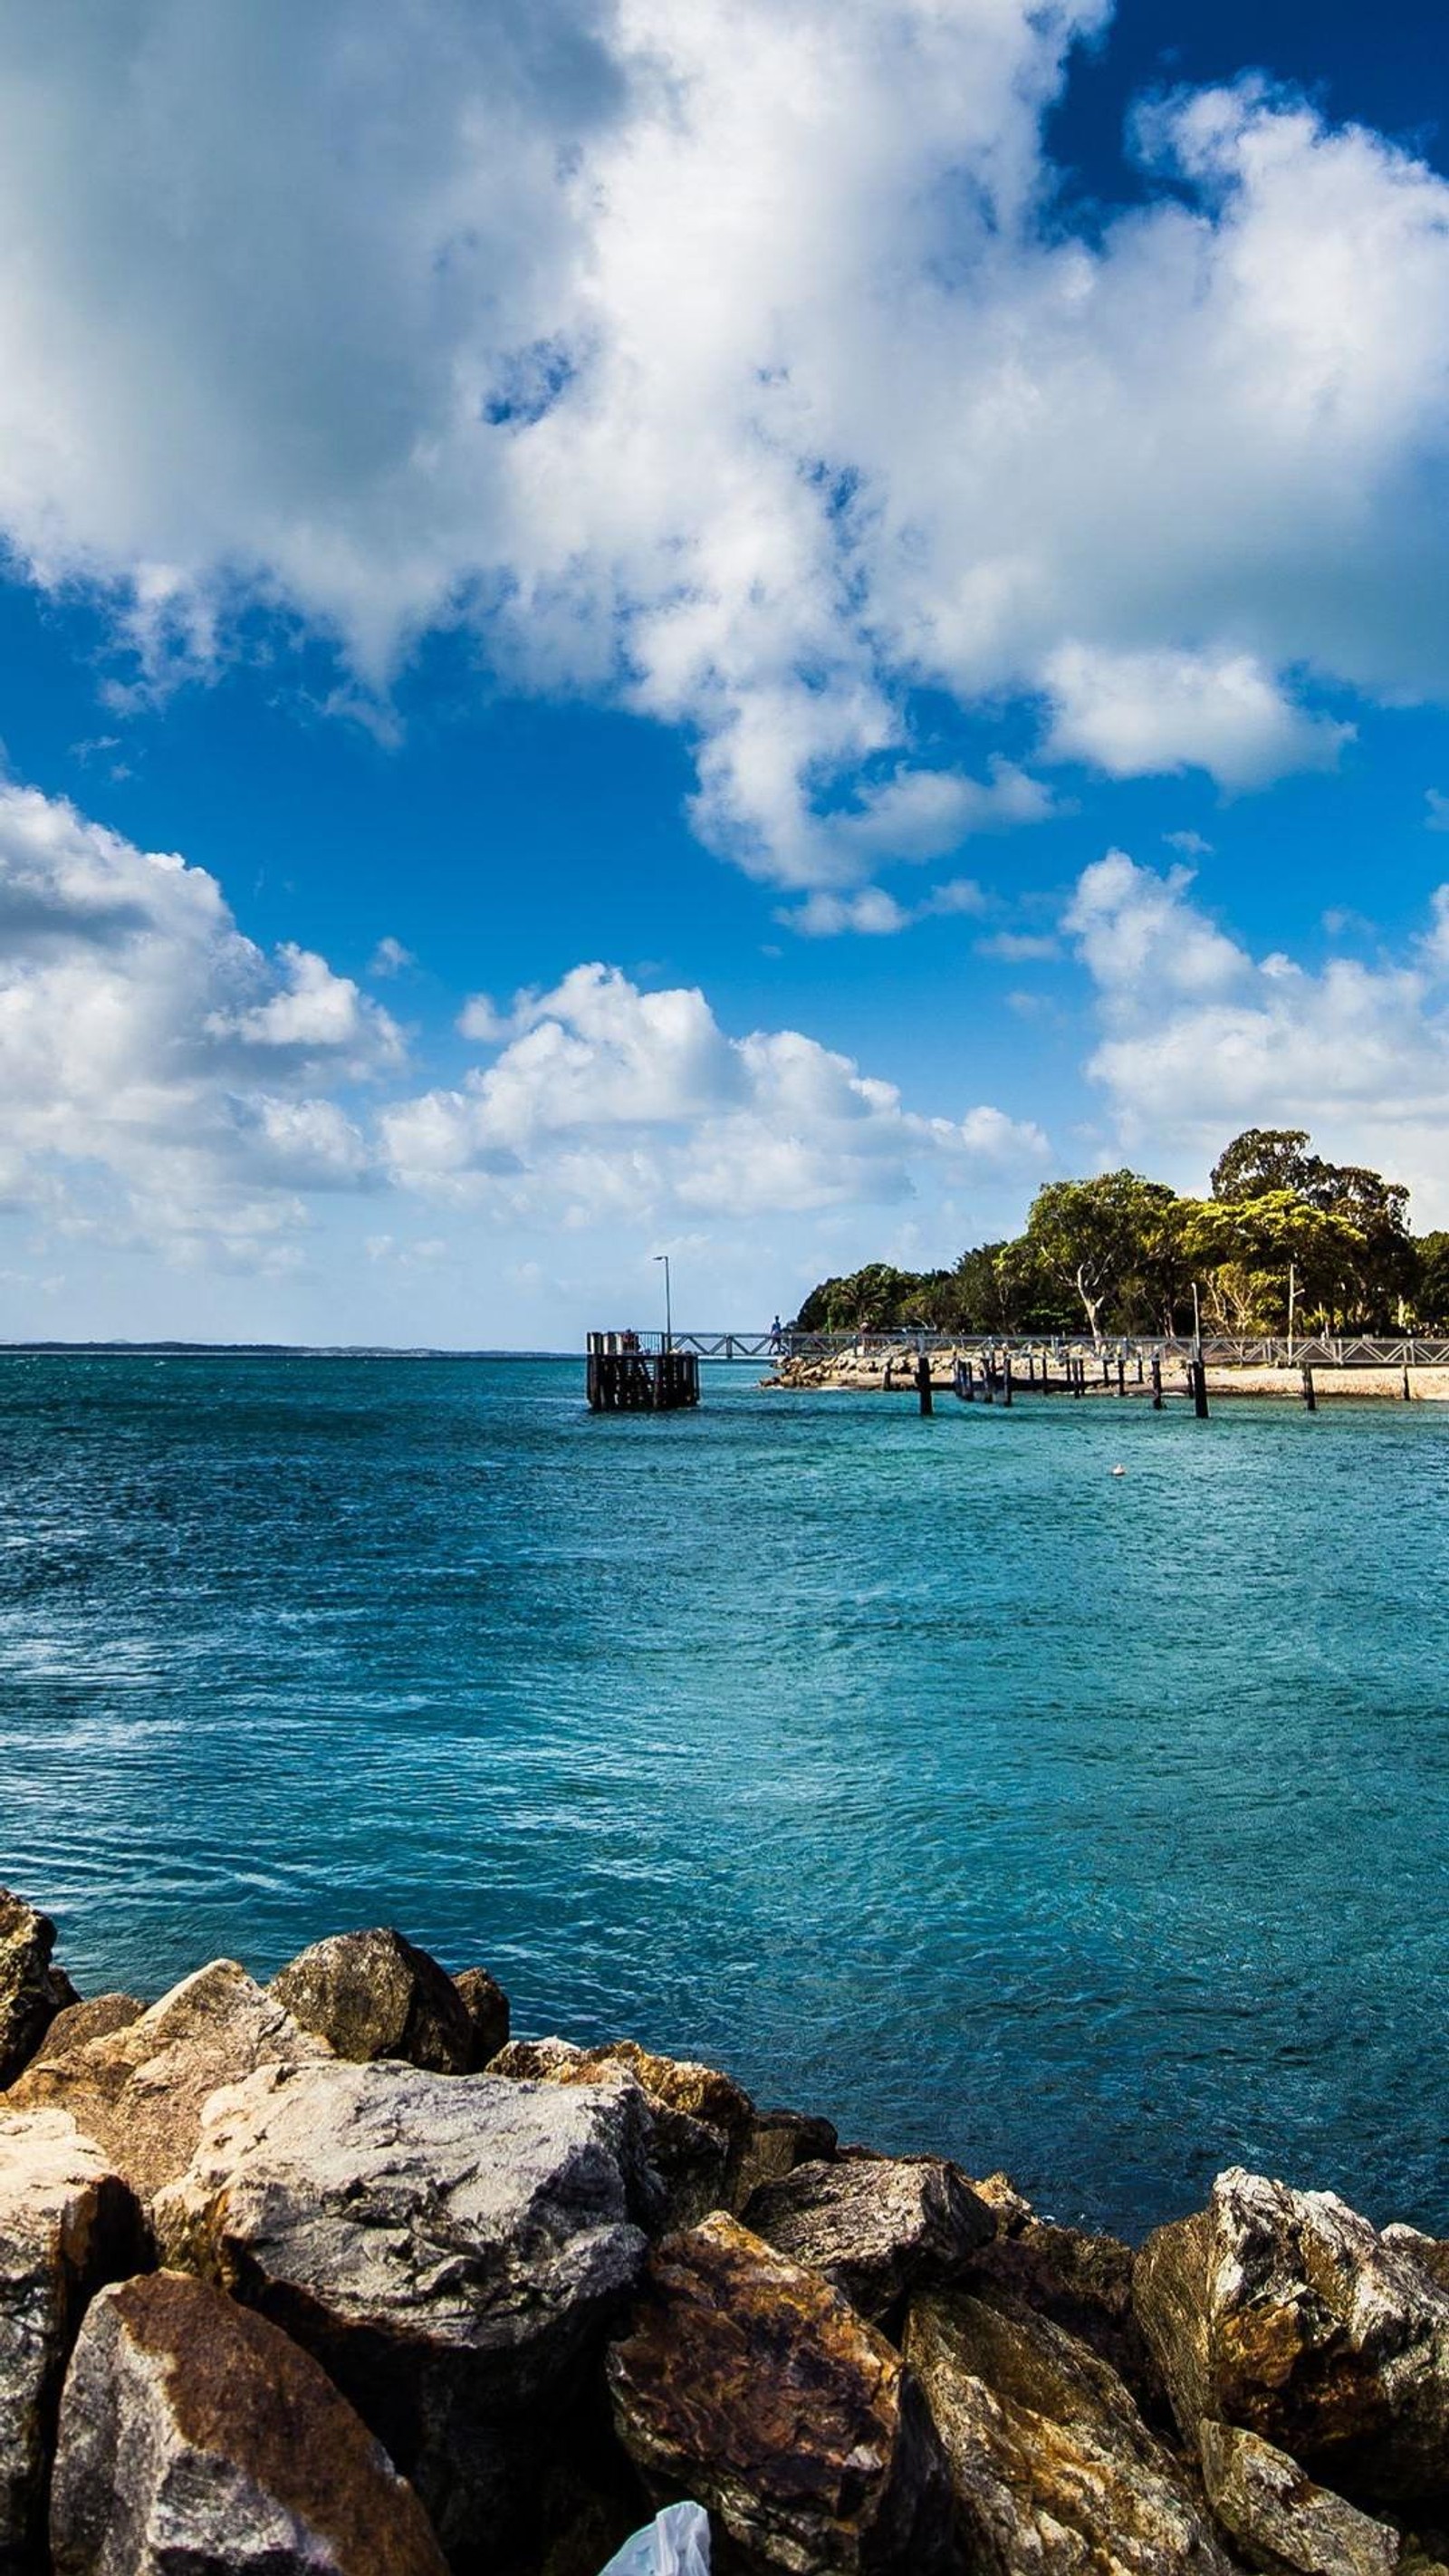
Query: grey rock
[(486, 2006), (1282, 2522), (700, 2117), (1053, 2468), (1288, 2314), (67, 2224), (196, 2440), (749, 2384), (32, 1992), (877, 2226), (372, 1994), (140, 2089), (452, 2249)]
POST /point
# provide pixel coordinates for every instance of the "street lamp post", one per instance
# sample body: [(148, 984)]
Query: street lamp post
[(668, 1312)]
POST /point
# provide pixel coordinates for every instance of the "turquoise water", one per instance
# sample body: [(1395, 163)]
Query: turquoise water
[(923, 1773)]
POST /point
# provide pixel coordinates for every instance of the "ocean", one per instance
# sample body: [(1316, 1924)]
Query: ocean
[(923, 1773)]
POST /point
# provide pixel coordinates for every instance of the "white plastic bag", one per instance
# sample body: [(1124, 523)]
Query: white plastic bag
[(675, 2543)]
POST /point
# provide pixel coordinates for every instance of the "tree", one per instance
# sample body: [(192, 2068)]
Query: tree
[(1262, 1159), (865, 1301), (1430, 1294), (1101, 1238), (1247, 1247)]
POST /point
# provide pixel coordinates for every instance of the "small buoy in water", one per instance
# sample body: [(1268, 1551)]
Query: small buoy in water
[(1119, 1471)]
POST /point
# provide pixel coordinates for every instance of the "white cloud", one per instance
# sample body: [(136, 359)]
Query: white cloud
[(159, 1073), (731, 361), (1018, 947), (613, 1102), (390, 957), (1437, 818), (873, 912), (1190, 844), (1133, 713), (1200, 1040)]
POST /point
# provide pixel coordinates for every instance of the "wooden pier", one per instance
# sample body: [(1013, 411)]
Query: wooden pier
[(640, 1373)]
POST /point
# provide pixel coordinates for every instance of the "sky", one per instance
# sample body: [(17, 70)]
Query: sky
[(739, 628)]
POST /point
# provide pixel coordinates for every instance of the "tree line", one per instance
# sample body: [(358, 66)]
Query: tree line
[(1285, 1242)]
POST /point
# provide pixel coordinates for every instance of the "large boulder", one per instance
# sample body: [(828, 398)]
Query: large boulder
[(372, 1995), (194, 2436), (1288, 2314), (140, 2088), (1083, 2282), (452, 2249), (1280, 2520), (747, 2382), (877, 2226), (1053, 2468), (32, 1992), (67, 2224)]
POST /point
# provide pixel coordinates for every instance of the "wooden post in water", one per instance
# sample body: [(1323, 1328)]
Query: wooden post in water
[(1199, 1390), (889, 1373), (1139, 1364), (1106, 1369), (1156, 1384), (1121, 1372), (1309, 1398), (1006, 1378), (923, 1381), (988, 1379), (1406, 1382), (1078, 1368)]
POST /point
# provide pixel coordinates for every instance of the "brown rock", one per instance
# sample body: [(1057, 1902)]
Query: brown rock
[(748, 2383), (140, 2089), (1288, 2314), (1281, 2521), (1053, 2468), (877, 2226), (95, 2019), (66, 2225), (371, 1995), (774, 2143), (32, 1992), (194, 2436), (452, 2250), (486, 2006), (1081, 2281)]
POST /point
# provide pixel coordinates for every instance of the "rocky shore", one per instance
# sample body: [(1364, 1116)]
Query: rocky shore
[(333, 2277), (874, 1371)]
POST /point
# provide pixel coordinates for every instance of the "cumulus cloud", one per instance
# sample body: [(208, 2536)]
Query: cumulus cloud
[(1133, 713), (150, 1052), (1200, 1039), (614, 1102), (731, 362)]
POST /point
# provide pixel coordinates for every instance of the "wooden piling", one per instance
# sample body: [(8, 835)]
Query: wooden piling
[(1198, 1374), (1156, 1384), (1121, 1372), (1006, 1379), (1407, 1397), (923, 1382), (1310, 1400)]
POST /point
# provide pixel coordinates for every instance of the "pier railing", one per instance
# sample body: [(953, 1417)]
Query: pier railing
[(1338, 1350)]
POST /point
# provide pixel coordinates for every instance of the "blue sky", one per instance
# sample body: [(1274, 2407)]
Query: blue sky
[(757, 628)]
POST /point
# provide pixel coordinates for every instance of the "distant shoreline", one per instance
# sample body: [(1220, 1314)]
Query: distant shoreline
[(264, 1351)]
